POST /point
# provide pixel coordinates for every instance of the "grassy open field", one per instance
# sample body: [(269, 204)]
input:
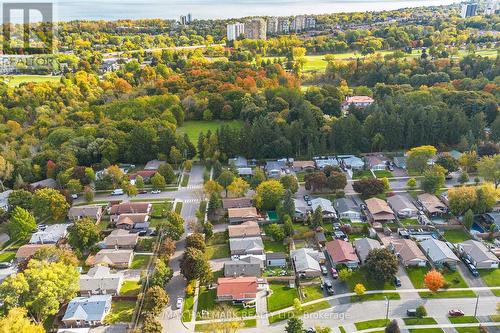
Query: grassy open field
[(15, 80), (140, 261), (193, 127), (282, 297)]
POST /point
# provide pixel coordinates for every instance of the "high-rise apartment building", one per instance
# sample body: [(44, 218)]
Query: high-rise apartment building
[(235, 30), (283, 25), (272, 25), (468, 9), (255, 29)]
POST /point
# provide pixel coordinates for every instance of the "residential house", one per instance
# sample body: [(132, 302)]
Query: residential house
[(348, 209), (145, 174), (299, 166), (301, 209), (455, 154), (492, 218), (326, 207), (379, 210), (4, 200), (321, 163), (120, 239), (275, 259), (352, 162), (407, 251), (248, 266), (154, 165), (341, 252), (237, 289), (320, 238), (238, 162), (306, 261), (431, 204), (246, 245), (402, 206), (400, 162), (50, 235), (275, 169), (240, 215), (87, 311), (364, 245), (26, 251), (237, 203), (439, 253), (45, 183), (130, 208), (100, 280), (359, 102), (478, 254), (128, 221), (93, 212), (377, 162), (245, 172), (246, 229), (117, 258)]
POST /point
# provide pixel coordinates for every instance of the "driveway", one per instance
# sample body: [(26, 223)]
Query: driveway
[(473, 281)]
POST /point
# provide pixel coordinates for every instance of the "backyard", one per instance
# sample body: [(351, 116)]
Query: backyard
[(456, 236), (140, 261), (281, 297), (272, 246), (121, 312), (218, 246), (130, 288)]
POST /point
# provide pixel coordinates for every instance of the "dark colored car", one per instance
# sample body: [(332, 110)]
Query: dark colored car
[(455, 313), (473, 270), (5, 264), (397, 281), (143, 192), (411, 312)]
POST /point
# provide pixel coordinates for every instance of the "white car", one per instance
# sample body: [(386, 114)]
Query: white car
[(179, 302), (74, 196), (155, 192)]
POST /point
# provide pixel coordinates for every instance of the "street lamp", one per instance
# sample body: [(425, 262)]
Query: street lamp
[(387, 312)]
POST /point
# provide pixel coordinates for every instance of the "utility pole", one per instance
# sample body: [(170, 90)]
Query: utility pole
[(387, 312), (477, 303)]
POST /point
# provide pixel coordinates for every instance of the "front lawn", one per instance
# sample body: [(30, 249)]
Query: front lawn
[(358, 174), (408, 222), (7, 256), (311, 292), (383, 173), (158, 209), (420, 321), (187, 309), (121, 312), (130, 288), (453, 279), (375, 297), (206, 302), (140, 261), (375, 323), (468, 330), (492, 278), (426, 330), (281, 297), (217, 251), (272, 246), (305, 309), (463, 320), (456, 236), (362, 276)]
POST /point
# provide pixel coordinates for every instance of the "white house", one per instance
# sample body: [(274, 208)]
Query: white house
[(439, 253), (478, 254)]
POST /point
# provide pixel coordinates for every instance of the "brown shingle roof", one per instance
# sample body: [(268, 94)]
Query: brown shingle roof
[(120, 237), (29, 249), (238, 288), (341, 251), (379, 209), (246, 229), (236, 203), (130, 208), (248, 212)]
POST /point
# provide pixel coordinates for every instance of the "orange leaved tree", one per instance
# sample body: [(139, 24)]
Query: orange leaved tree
[(434, 280)]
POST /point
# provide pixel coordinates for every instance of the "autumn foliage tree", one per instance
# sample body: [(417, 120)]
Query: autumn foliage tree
[(434, 280)]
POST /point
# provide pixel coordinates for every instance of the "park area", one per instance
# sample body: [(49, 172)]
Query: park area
[(193, 128), (16, 80)]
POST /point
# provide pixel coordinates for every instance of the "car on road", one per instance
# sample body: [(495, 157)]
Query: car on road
[(335, 274), (411, 312), (307, 197), (456, 313), (5, 265), (397, 281), (179, 302), (143, 192), (74, 196), (118, 191), (473, 270), (324, 271), (310, 330), (328, 287), (155, 192)]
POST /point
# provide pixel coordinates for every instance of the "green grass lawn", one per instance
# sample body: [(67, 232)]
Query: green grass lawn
[(426, 330), (185, 180), (468, 330), (420, 321), (453, 278), (409, 221), (130, 288), (272, 246), (140, 261), (218, 238), (206, 301), (187, 308), (456, 236), (383, 173), (311, 292), (362, 174), (361, 276), (121, 312), (375, 297), (364, 325), (249, 323), (158, 209), (218, 251), (193, 128), (7, 256), (463, 320), (305, 309), (15, 80), (281, 297), (178, 207), (492, 278)]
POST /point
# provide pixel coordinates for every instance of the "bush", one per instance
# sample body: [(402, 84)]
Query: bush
[(421, 311)]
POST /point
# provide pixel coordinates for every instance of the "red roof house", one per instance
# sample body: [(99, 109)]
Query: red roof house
[(236, 289), (342, 252)]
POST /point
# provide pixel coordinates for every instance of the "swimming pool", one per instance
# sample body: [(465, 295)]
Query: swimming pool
[(477, 228)]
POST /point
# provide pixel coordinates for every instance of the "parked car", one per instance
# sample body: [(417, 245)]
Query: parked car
[(324, 271), (118, 191), (455, 313), (328, 287), (335, 274), (143, 192), (307, 197), (397, 281), (179, 302), (74, 196), (310, 330), (473, 270), (155, 192), (5, 265), (411, 312)]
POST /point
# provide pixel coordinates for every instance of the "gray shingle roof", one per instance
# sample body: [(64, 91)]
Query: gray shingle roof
[(92, 308)]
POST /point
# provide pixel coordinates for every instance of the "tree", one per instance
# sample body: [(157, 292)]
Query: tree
[(269, 194), (315, 181), (294, 325), (290, 183), (419, 156), (421, 311), (130, 189), (21, 198), (238, 187), (276, 232), (194, 265), (468, 219), (297, 306), (324, 329), (345, 274), (486, 198), (167, 248), (88, 194), (359, 289), (49, 204), (288, 207), (288, 226), (17, 320), (225, 179), (381, 264), (172, 226), (212, 187), (461, 199), (433, 179), (448, 162), (392, 327), (156, 299), (258, 177), (317, 218), (434, 280), (21, 224), (83, 235), (74, 186), (167, 172), (412, 183), (6, 170), (489, 169), (387, 185), (161, 274), (151, 325), (468, 161), (158, 182), (116, 175), (139, 182), (55, 254), (336, 181), (368, 187), (463, 178), (197, 241), (175, 155)]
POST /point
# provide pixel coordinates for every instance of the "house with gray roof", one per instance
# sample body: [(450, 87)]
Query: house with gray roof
[(246, 245), (100, 280), (50, 235), (363, 246), (119, 258), (275, 259), (4, 200), (275, 169), (249, 266), (400, 161), (238, 162), (352, 162), (402, 206), (121, 239), (45, 183), (439, 253), (306, 261), (478, 254), (153, 164), (326, 207), (87, 311), (301, 209), (348, 209), (93, 212)]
